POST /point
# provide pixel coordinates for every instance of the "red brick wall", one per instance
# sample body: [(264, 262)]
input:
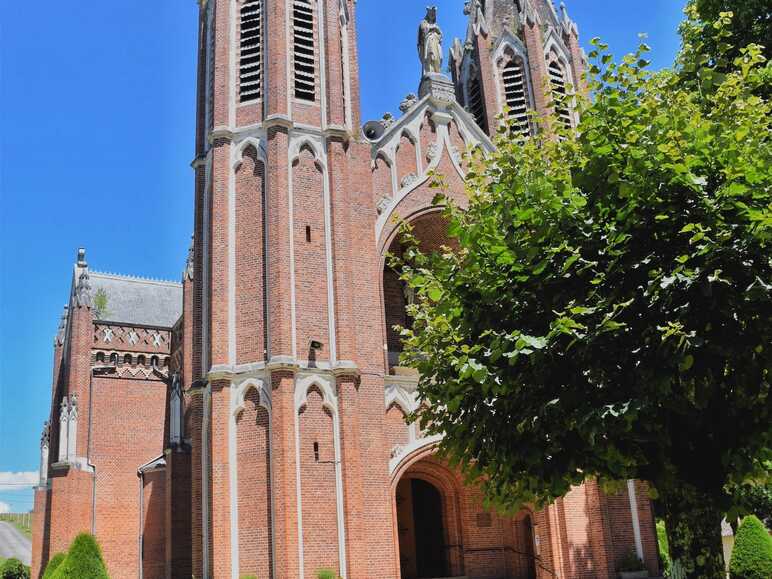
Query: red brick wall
[(254, 501), (154, 526), (249, 259), (318, 483), (127, 432), (310, 257), (406, 160), (396, 429)]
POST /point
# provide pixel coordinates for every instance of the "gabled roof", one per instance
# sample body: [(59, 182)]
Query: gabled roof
[(139, 301)]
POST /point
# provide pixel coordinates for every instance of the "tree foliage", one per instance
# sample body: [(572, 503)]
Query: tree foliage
[(14, 569), (53, 565), (83, 561), (752, 554), (608, 312), (751, 22)]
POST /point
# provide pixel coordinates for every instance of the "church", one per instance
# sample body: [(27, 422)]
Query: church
[(249, 421)]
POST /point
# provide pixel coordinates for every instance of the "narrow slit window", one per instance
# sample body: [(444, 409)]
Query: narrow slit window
[(515, 94), (560, 94), (251, 51), (316, 451), (476, 104), (304, 57), (308, 233)]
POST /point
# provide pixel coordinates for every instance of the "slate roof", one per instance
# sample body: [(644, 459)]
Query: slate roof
[(134, 300)]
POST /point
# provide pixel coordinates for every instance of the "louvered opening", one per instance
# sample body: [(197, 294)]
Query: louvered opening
[(304, 50), (476, 104), (560, 94), (515, 93), (251, 51)]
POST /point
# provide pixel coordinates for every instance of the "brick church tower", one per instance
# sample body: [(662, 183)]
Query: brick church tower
[(268, 432), (286, 385)]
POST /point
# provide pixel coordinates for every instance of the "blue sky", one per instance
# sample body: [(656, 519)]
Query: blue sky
[(96, 136)]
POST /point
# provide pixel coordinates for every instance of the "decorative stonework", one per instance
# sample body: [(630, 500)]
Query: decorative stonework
[(408, 103), (408, 180), (432, 151), (383, 204), (83, 290)]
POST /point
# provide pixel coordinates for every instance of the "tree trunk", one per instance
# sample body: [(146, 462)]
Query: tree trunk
[(694, 533)]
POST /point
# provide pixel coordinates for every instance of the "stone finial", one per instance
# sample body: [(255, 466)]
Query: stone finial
[(388, 120), (83, 290), (60, 331), (408, 103), (189, 264), (64, 410), (45, 437), (430, 43), (82, 257), (73, 406)]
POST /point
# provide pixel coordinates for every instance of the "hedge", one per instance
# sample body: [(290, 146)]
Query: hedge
[(752, 554)]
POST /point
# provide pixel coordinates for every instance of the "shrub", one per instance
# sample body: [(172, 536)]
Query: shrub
[(664, 547), (631, 562), (83, 561), (53, 565), (14, 569), (326, 574), (752, 555), (249, 577)]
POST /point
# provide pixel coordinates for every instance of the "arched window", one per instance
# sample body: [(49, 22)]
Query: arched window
[(516, 94), (127, 359), (560, 94), (304, 45), (100, 357), (114, 359), (141, 360), (251, 50), (154, 361)]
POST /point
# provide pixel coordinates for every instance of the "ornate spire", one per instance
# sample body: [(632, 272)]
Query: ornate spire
[(59, 340), (189, 268), (45, 438)]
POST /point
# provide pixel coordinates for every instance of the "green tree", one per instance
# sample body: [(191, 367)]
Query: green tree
[(53, 565), (607, 311), (14, 569), (751, 22), (83, 561), (752, 554)]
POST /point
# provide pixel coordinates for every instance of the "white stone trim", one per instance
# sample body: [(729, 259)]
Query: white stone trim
[(238, 393), (635, 519), (328, 389), (205, 480), (410, 448)]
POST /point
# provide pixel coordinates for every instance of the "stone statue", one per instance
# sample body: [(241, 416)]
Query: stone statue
[(430, 43)]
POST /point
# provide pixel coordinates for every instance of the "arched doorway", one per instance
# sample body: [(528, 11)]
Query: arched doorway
[(422, 533)]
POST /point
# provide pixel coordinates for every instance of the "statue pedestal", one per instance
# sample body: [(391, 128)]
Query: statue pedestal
[(438, 86)]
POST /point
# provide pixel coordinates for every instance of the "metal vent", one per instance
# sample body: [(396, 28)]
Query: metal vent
[(515, 93), (476, 104), (560, 94), (251, 51), (304, 50)]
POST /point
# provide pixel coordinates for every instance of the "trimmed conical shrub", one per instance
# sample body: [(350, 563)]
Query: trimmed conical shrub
[(84, 560), (53, 565), (13, 569), (752, 554)]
